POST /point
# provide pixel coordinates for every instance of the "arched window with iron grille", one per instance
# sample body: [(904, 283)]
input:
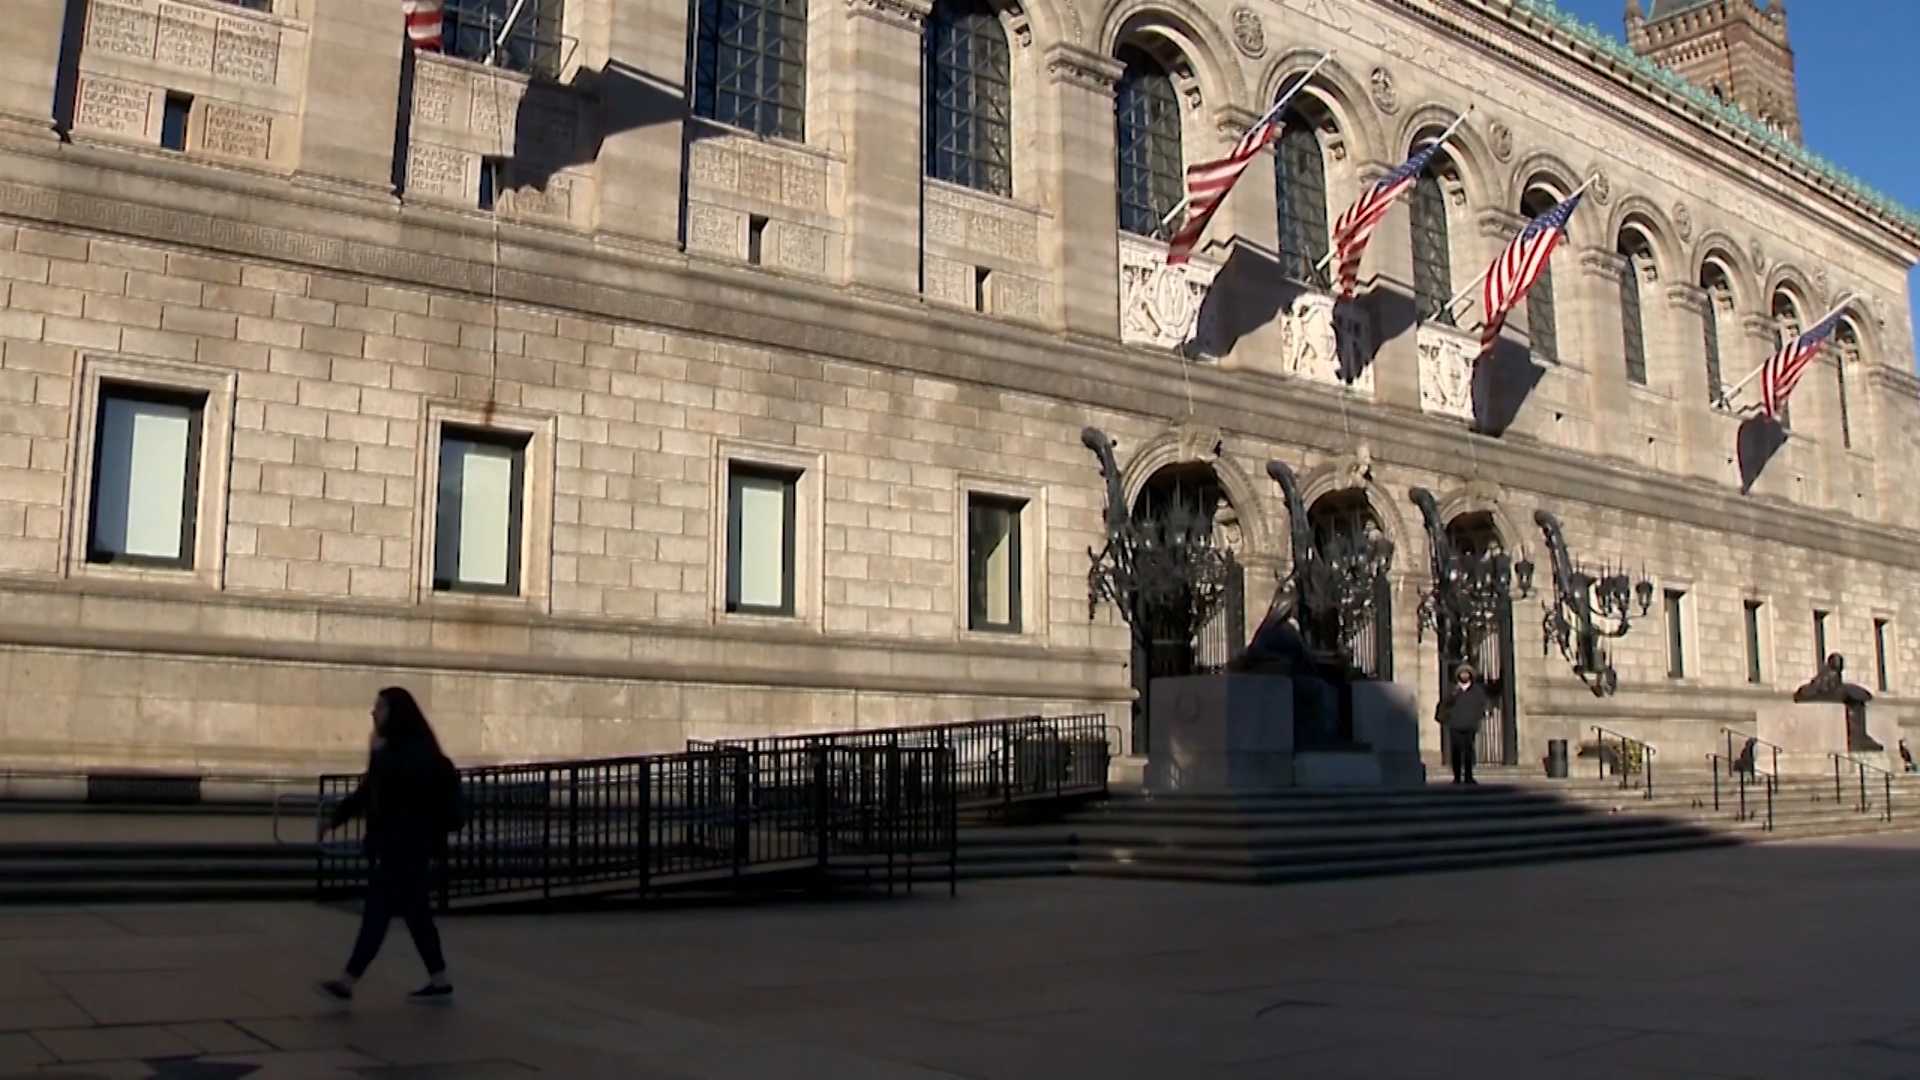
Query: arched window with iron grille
[(750, 65), (1149, 180), (1543, 325), (969, 97), (1300, 193), (1432, 248)]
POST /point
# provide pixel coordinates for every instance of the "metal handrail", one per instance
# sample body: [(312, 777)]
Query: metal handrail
[(1733, 762), (1864, 804), (1757, 774), (1647, 752)]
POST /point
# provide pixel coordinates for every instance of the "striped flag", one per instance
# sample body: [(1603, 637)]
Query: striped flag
[(1783, 369), (423, 23), (1355, 227), (1209, 182), (1518, 267)]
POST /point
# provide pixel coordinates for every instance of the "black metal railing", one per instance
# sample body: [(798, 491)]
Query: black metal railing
[(997, 762), (714, 815), (1748, 750), (1864, 803), (1633, 756), (1745, 774)]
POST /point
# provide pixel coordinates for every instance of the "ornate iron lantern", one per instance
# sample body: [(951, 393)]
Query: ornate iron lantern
[(1588, 607), (1470, 590)]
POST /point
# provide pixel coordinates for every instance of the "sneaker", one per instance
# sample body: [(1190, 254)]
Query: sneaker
[(430, 992), (338, 989)]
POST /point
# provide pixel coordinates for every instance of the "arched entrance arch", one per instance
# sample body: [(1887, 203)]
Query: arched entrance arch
[(1475, 533), (1345, 519)]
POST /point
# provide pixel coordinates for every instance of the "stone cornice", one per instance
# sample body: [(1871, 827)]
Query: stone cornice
[(1073, 66), (672, 292)]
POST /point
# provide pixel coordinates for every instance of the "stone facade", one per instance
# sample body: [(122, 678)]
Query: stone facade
[(652, 300), (1735, 50)]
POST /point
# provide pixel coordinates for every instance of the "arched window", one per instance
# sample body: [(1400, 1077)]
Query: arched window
[(1846, 353), (1543, 327), (1787, 325), (750, 65), (1633, 327), (1300, 193), (1146, 114), (470, 29), (1719, 289), (1432, 248), (969, 128)]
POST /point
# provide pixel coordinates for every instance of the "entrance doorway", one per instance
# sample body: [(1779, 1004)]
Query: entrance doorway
[(1347, 518), (1490, 649)]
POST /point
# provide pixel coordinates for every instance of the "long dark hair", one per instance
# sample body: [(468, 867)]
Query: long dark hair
[(406, 725)]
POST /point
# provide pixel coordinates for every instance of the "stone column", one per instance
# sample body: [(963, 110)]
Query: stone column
[(1702, 451), (353, 96), (882, 121), (643, 121), (1244, 237), (30, 63), (1590, 300), (1086, 223)]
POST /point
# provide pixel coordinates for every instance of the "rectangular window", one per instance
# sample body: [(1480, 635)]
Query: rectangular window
[(1882, 678), (756, 238), (760, 537), (474, 30), (1819, 640), (477, 517), (993, 563), (146, 477), (1754, 673), (490, 171), (173, 121), (1676, 634)]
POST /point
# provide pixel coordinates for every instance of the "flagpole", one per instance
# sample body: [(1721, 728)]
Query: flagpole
[(1726, 395), (512, 18), (1264, 118), (1462, 294), (1441, 141)]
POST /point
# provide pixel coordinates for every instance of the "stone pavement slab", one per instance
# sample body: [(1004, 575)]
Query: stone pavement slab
[(1789, 960)]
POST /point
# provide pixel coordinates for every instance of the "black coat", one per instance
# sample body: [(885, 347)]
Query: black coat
[(409, 796), (1465, 710)]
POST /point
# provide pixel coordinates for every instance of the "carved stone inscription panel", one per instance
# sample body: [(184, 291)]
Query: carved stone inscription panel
[(114, 107), (437, 171), (982, 226), (247, 52), (121, 31), (237, 132), (768, 174), (1446, 370), (186, 38), (1159, 303)]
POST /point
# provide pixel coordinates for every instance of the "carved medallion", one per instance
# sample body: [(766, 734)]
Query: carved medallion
[(1502, 138), (1602, 187), (1822, 280), (1384, 94), (1683, 221), (1249, 33), (1758, 252)]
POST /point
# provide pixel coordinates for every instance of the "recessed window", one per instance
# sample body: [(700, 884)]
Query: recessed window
[(477, 516), (760, 540), (173, 121), (146, 477), (1819, 640), (981, 275), (993, 563), (491, 175), (1676, 633), (1883, 679), (1754, 672), (756, 238)]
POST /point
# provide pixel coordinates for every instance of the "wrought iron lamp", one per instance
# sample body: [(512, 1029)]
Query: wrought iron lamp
[(1334, 581), (1470, 589), (1587, 608)]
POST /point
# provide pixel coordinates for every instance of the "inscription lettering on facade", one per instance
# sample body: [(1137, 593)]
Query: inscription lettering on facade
[(760, 178), (544, 132), (805, 187), (556, 201), (248, 52), (433, 92), (113, 106), (1015, 297), (802, 249), (963, 220), (115, 29), (714, 166), (949, 282), (495, 104), (717, 230), (438, 171), (186, 38), (237, 132)]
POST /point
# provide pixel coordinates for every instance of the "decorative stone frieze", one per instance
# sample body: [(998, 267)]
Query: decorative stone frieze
[(1326, 343), (967, 221), (1159, 304), (1447, 357)]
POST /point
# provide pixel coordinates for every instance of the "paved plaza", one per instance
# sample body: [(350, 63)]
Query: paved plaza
[(1786, 960)]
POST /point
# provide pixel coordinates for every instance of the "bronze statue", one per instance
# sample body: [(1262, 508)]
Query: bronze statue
[(1830, 685)]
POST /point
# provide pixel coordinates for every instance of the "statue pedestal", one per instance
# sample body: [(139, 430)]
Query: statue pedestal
[(1235, 733), (1808, 731)]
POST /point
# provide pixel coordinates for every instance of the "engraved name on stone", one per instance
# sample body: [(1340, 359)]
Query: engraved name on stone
[(805, 187), (760, 178), (115, 29), (433, 92), (803, 249), (556, 201), (715, 166), (112, 106), (949, 282), (186, 38), (717, 230), (437, 170), (495, 104), (238, 132), (1016, 297), (248, 52)]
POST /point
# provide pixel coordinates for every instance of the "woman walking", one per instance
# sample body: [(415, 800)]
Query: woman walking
[(409, 797)]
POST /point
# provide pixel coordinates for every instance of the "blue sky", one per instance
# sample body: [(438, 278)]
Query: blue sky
[(1855, 61)]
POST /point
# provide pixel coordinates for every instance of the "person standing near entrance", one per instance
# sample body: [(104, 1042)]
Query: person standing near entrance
[(410, 798), (1463, 708)]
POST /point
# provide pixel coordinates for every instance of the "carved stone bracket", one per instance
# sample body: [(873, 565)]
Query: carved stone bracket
[(1500, 224), (1602, 264), (1687, 297), (1159, 304), (905, 14), (1446, 370), (1074, 66)]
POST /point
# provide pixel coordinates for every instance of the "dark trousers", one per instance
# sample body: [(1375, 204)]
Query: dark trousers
[(403, 887), (1460, 753)]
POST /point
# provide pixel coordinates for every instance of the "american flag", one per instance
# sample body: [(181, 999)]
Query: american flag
[(423, 22), (1783, 369), (1355, 227), (1518, 267), (1209, 182)]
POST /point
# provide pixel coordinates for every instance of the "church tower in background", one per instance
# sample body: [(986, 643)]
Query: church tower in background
[(1732, 49)]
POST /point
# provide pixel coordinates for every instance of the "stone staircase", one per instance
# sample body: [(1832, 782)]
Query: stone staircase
[(1512, 816)]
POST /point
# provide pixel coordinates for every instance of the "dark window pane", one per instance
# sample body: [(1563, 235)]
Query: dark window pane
[(173, 121), (1300, 194), (968, 128), (750, 65), (1147, 141), (993, 563), (1715, 386), (1432, 249), (1753, 641), (1632, 327), (1819, 640), (1676, 635), (470, 28), (1881, 679), (1543, 329)]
